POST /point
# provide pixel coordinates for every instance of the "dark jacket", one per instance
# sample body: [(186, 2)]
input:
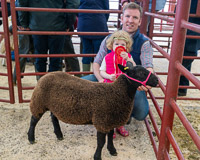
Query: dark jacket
[(138, 41), (48, 21), (8, 7), (93, 22)]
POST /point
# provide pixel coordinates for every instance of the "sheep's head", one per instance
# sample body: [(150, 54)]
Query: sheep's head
[(139, 73)]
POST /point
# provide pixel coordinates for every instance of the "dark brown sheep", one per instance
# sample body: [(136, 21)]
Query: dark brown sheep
[(77, 101)]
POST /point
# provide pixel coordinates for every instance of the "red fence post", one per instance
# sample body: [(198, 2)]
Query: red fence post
[(179, 35), (8, 51)]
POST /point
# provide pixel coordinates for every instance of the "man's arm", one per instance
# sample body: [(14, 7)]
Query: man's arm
[(147, 61), (96, 70), (71, 17), (98, 60)]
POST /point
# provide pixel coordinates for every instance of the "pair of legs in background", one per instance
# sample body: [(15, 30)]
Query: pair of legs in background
[(48, 44), (191, 49), (89, 46), (71, 63)]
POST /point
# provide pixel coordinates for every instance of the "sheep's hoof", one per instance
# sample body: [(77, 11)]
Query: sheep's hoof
[(97, 158), (60, 138), (113, 152), (32, 142)]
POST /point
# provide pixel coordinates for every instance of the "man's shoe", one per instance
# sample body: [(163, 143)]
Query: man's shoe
[(182, 93)]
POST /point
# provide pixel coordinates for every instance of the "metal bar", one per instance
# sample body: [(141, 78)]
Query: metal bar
[(4, 100), (3, 74), (198, 9), (57, 55), (165, 73), (32, 9), (8, 52), (166, 18), (179, 36), (4, 88), (166, 155), (187, 74), (151, 137), (164, 53), (119, 14), (186, 123), (162, 35), (62, 33), (155, 104), (143, 27), (162, 86), (16, 51), (190, 26), (154, 124), (3, 56), (43, 73), (179, 98), (174, 144)]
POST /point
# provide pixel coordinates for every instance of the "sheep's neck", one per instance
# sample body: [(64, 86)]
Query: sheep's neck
[(124, 82)]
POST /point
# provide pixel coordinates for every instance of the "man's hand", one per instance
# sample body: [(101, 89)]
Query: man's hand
[(23, 29), (143, 88)]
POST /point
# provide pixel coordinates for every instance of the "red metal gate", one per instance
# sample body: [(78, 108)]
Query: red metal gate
[(170, 107), (9, 88)]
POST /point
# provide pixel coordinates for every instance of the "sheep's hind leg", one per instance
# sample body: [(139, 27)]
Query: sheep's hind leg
[(56, 126), (31, 131), (101, 139), (110, 145)]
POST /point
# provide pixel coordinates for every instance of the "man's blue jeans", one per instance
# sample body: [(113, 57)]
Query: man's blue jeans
[(141, 105), (44, 43)]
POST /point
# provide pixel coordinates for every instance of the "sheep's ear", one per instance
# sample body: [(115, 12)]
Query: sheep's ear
[(122, 68), (129, 65)]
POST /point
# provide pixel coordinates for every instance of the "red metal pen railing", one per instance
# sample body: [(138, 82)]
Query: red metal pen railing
[(169, 89), (5, 33)]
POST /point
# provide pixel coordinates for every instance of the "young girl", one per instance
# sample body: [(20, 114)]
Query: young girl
[(119, 43)]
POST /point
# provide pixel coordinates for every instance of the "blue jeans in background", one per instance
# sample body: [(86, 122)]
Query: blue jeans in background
[(141, 104), (44, 43), (90, 46)]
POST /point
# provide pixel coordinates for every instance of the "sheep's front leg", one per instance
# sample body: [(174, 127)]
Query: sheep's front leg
[(31, 131), (101, 138), (56, 126), (110, 145)]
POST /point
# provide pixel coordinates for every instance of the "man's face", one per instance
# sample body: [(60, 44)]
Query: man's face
[(131, 20)]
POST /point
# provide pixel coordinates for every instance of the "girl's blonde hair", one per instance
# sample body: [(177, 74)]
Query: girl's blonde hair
[(120, 35)]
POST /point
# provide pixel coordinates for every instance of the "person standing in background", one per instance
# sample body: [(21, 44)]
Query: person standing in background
[(92, 22), (48, 21), (191, 48)]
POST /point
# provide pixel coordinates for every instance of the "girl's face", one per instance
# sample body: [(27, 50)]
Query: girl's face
[(118, 42)]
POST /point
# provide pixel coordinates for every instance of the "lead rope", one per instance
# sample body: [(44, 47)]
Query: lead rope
[(143, 83)]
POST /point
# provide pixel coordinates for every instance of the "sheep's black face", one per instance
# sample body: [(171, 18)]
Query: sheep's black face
[(139, 73)]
